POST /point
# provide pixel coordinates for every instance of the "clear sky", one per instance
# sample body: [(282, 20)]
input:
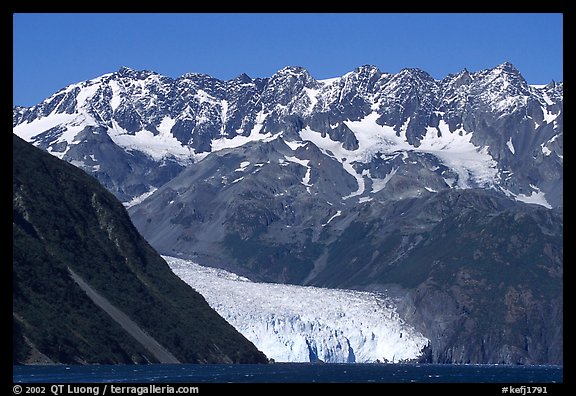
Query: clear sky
[(52, 51)]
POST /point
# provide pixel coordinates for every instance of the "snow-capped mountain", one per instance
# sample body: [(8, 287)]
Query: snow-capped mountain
[(304, 324), (135, 130), (450, 190)]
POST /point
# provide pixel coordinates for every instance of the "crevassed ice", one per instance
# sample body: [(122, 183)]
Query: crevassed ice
[(300, 323)]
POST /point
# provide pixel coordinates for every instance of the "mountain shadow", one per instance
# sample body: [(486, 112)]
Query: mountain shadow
[(88, 289)]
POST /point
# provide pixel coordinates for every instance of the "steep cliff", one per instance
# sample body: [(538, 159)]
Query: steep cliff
[(85, 282)]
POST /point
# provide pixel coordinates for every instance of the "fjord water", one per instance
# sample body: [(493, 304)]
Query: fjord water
[(290, 373)]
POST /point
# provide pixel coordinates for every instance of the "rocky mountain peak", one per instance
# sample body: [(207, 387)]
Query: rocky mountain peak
[(241, 79), (460, 79), (293, 71), (368, 71), (293, 75), (126, 72), (551, 85), (508, 67), (287, 84), (505, 77), (415, 73)]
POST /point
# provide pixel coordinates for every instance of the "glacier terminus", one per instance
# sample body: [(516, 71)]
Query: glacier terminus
[(291, 323)]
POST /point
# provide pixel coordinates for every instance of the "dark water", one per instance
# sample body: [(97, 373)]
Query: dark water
[(291, 373)]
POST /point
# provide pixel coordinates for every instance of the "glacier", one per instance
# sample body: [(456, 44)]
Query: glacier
[(291, 323)]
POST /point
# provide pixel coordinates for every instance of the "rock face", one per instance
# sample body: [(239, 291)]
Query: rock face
[(449, 191), (493, 287), (88, 289)]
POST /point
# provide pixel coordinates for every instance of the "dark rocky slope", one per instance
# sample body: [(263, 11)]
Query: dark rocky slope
[(64, 221)]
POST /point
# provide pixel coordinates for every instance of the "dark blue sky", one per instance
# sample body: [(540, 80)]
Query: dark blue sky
[(52, 51)]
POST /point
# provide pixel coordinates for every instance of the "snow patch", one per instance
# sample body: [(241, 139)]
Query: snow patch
[(223, 116), (536, 197), (306, 179), (297, 160), (116, 99), (166, 126), (329, 81), (87, 93), (294, 145), (510, 146), (139, 198), (547, 99), (359, 179), (29, 130), (379, 184), (239, 140), (312, 97), (335, 149), (473, 164), (338, 213), (243, 166), (70, 125), (453, 148), (549, 117), (158, 146), (204, 97)]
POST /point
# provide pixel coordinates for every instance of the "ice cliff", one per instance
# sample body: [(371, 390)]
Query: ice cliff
[(300, 323)]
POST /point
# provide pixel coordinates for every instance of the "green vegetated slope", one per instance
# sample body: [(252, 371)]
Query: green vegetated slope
[(64, 221)]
